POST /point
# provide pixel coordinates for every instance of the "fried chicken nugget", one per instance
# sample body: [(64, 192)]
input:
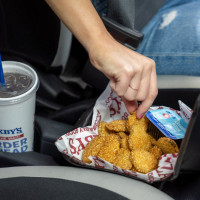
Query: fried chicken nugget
[(156, 151), (102, 129), (139, 141), (92, 148), (133, 120), (153, 140), (143, 161), (167, 145), (123, 140), (109, 148), (122, 159), (133, 169), (117, 125)]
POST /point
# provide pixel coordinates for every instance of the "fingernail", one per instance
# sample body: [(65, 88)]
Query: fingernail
[(141, 116)]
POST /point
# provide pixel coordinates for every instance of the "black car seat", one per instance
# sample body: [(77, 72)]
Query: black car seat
[(33, 34)]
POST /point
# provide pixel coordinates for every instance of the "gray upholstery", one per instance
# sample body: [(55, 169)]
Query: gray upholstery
[(127, 187), (178, 81), (64, 47)]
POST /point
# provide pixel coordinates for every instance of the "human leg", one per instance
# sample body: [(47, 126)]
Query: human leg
[(172, 38)]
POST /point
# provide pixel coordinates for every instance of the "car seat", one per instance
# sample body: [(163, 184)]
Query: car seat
[(33, 34), (56, 182)]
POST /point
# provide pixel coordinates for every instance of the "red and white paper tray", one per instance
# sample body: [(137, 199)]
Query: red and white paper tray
[(108, 107)]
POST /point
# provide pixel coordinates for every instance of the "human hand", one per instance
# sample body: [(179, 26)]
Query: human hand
[(132, 75)]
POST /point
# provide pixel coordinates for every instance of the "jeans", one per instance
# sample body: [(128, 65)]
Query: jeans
[(172, 38)]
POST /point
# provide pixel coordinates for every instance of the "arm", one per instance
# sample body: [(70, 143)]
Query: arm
[(132, 76)]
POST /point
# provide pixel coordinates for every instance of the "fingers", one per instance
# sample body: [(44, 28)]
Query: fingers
[(148, 101), (120, 81), (131, 106), (140, 83), (133, 86), (119, 86), (145, 82), (132, 75), (142, 87)]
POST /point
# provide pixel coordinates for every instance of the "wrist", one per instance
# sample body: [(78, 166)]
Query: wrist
[(99, 47), (97, 40)]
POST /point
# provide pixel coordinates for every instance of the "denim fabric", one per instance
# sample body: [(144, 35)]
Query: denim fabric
[(172, 38)]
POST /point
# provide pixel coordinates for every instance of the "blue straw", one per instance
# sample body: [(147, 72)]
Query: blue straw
[(2, 80)]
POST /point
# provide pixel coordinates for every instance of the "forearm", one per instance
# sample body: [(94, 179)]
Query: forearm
[(82, 20), (132, 76)]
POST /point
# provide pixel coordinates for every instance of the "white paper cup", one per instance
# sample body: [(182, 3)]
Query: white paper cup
[(17, 113)]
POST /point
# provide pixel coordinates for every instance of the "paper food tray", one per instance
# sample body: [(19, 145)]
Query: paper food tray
[(109, 107)]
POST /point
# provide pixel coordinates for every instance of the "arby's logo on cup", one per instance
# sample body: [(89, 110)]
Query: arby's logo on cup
[(11, 131), (17, 107), (13, 140)]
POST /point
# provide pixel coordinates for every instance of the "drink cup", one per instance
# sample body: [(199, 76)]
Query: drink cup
[(17, 107)]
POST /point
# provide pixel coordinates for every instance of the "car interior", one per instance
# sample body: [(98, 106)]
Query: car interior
[(69, 88)]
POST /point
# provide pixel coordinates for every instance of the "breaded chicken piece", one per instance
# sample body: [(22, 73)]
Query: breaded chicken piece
[(117, 125), (122, 159), (122, 135), (133, 120), (143, 161), (138, 129), (133, 169), (156, 151), (139, 141), (92, 148), (153, 140), (111, 146), (102, 129), (123, 140), (167, 145)]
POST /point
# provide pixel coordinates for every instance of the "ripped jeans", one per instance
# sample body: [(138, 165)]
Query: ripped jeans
[(172, 38)]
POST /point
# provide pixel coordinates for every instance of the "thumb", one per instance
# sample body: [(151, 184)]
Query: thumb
[(131, 106)]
